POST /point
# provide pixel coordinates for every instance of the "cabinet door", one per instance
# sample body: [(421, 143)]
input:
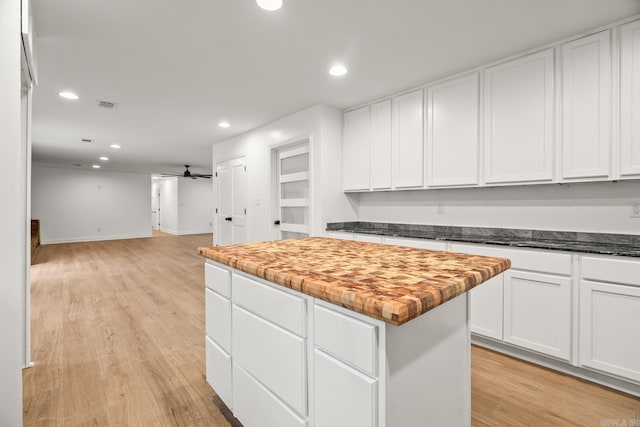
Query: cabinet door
[(381, 145), (486, 308), (586, 107), (408, 141), (218, 371), (452, 132), (333, 380), (610, 328), (537, 312), (355, 150), (218, 319), (630, 100), (518, 120)]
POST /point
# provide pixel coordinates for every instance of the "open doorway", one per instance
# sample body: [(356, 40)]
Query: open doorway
[(155, 205)]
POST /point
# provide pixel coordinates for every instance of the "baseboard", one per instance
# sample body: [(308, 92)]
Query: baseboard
[(557, 365), (183, 233), (169, 231), (94, 238)]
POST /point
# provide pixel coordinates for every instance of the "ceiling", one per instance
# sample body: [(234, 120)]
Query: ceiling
[(178, 68)]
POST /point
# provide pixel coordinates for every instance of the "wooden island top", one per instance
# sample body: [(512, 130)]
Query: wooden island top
[(387, 282)]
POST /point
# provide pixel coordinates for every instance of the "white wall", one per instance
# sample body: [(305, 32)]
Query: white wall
[(168, 205), (13, 196), (195, 206), (75, 205), (589, 207), (322, 125)]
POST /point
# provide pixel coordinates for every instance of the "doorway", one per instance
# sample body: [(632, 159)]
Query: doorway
[(291, 179), (155, 206), (231, 214)]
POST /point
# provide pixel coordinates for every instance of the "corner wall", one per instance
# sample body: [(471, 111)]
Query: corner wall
[(13, 240), (77, 205), (322, 126)]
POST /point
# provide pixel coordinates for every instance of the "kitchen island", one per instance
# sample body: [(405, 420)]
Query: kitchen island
[(326, 332)]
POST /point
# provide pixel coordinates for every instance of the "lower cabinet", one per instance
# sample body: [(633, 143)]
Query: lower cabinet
[(610, 316), (218, 371), (333, 381), (537, 312), (486, 308)]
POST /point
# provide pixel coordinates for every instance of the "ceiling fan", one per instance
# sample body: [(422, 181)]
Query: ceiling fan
[(187, 174)]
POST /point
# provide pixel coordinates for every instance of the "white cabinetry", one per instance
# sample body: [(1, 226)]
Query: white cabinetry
[(381, 145), (452, 132), (610, 316), (486, 306), (630, 100), (355, 150), (518, 120), (408, 141), (586, 107), (537, 313)]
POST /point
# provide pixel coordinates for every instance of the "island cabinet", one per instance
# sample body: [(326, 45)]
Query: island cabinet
[(282, 353), (610, 316)]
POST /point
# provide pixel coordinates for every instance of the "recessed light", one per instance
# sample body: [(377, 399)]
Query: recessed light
[(338, 70), (68, 95), (114, 146), (104, 158), (270, 4), (95, 166), (224, 124)]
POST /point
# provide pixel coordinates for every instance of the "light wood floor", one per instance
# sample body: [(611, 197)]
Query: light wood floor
[(117, 339)]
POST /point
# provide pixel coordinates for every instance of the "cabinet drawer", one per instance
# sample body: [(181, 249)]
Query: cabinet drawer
[(523, 259), (349, 339), (611, 270), (218, 371), (218, 319), (257, 406), (285, 310), (218, 279), (417, 243), (335, 380), (274, 356)]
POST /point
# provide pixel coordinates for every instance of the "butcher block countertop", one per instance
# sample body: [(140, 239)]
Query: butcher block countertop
[(387, 282)]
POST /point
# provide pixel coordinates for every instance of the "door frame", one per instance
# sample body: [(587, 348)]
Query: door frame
[(216, 195), (273, 174)]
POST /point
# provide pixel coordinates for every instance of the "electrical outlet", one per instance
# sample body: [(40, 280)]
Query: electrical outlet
[(635, 209), (440, 210)]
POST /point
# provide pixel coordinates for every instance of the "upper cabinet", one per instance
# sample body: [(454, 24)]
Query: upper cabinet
[(408, 141), (518, 120), (355, 150), (381, 145), (567, 112), (630, 100), (586, 107), (452, 132)]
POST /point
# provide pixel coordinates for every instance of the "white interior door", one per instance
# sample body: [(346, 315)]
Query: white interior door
[(292, 192), (155, 207), (231, 177)]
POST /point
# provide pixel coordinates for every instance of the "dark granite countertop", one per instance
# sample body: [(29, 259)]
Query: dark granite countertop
[(571, 241)]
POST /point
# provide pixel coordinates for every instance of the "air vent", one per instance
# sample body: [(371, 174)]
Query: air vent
[(87, 140), (107, 104)]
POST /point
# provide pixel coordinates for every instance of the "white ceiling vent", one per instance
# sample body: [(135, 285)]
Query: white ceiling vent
[(107, 104), (87, 140)]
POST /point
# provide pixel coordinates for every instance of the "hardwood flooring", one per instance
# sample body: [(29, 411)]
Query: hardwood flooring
[(117, 340)]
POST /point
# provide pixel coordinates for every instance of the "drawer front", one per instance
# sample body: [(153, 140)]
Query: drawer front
[(333, 381), (218, 279), (612, 270), (279, 307), (218, 371), (218, 319), (417, 243), (523, 259), (348, 339), (371, 238), (274, 356), (257, 406)]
